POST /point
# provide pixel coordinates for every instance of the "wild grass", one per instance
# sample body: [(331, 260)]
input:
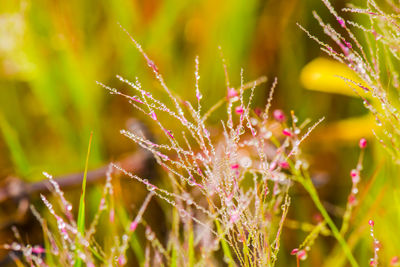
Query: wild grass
[(227, 190), (371, 51)]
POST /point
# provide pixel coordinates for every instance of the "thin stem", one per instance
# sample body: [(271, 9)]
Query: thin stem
[(308, 185)]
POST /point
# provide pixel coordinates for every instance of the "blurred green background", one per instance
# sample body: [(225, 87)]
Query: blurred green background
[(52, 53)]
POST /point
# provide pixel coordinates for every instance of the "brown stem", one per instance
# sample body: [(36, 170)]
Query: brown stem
[(15, 188)]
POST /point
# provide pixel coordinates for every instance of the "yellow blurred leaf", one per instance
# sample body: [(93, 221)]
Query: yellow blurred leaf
[(347, 130), (321, 75)]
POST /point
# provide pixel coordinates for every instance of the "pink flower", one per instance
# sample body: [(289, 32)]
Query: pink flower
[(153, 115), (302, 254), (284, 165), (341, 22), (352, 199), (235, 166), (38, 249), (239, 110), (353, 173), (355, 176), (362, 143), (394, 261), (133, 226), (258, 111), (279, 115), (231, 93), (286, 132)]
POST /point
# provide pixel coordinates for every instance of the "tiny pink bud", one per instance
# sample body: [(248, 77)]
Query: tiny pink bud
[(353, 173), (294, 251), (279, 115), (395, 261), (284, 165), (133, 226), (152, 65), (286, 132), (352, 199), (258, 111), (239, 110), (38, 249), (372, 263), (371, 223), (231, 93), (355, 176), (363, 143), (341, 22), (153, 115), (122, 260), (235, 166), (302, 254)]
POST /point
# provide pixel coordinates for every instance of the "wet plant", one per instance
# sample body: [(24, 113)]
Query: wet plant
[(371, 50), (227, 187)]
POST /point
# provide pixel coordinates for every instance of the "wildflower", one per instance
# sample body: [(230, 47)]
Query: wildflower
[(395, 261), (279, 115), (239, 110), (302, 255), (287, 132), (153, 115), (352, 199), (258, 111), (363, 143), (355, 176), (38, 249), (232, 93), (366, 63), (284, 165), (235, 166)]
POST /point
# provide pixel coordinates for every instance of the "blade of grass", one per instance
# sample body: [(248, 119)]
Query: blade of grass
[(175, 229), (17, 153), (134, 241), (81, 212), (309, 187), (49, 256), (191, 245)]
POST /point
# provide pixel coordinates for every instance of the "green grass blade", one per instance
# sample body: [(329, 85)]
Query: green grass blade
[(191, 251), (134, 241), (225, 246), (17, 152), (81, 212), (309, 187), (49, 256)]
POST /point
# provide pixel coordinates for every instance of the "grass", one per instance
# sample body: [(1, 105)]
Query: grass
[(81, 210), (226, 213)]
